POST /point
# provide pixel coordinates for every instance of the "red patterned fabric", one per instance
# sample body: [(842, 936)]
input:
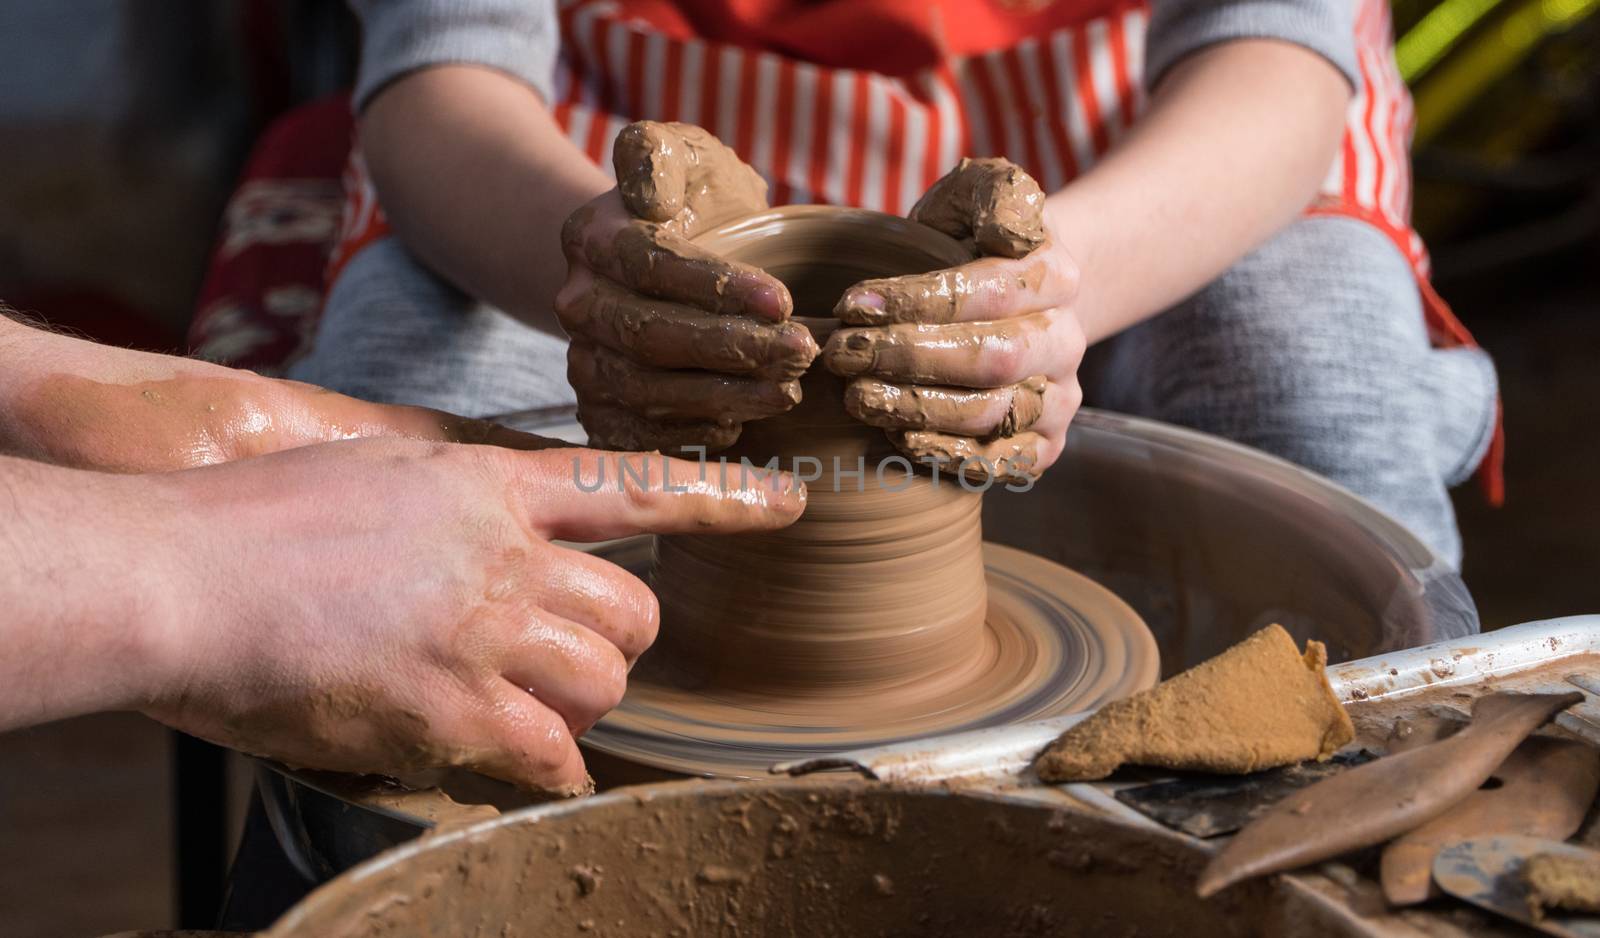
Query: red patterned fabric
[(262, 296)]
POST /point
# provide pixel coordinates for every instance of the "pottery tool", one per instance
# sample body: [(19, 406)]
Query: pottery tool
[(1212, 805), (1487, 873), (1374, 802), (1543, 789)]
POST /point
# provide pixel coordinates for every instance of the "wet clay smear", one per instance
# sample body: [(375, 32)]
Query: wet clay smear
[(1258, 705), (1561, 881)]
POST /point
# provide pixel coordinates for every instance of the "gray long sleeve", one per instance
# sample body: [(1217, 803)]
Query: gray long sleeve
[(1180, 27), (519, 37)]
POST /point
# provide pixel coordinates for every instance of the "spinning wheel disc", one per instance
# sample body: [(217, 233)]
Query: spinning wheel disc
[(1055, 642)]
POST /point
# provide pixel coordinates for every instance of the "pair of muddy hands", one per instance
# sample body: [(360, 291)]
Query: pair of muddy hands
[(972, 368)]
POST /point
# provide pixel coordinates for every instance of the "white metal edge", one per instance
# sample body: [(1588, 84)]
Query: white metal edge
[(1003, 753)]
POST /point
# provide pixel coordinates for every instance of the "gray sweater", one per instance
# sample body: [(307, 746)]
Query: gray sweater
[(521, 37)]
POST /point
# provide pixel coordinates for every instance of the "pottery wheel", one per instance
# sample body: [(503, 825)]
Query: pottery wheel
[(1055, 642)]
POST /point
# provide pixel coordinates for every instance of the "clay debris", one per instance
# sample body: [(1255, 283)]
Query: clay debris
[(1258, 705), (1561, 881)]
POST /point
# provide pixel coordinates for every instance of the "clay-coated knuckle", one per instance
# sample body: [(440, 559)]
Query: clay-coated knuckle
[(1003, 365)]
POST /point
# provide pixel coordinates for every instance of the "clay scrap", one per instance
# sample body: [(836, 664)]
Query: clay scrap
[(1260, 704), (1561, 881)]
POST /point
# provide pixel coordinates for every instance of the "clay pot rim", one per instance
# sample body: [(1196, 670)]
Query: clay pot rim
[(305, 911), (732, 235), (737, 232)]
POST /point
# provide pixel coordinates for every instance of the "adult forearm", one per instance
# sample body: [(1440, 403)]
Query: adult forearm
[(85, 592), (1235, 143), (476, 178)]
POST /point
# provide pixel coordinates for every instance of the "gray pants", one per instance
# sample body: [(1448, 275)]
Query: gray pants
[(1311, 348)]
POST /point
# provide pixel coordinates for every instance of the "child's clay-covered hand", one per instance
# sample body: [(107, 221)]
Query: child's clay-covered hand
[(974, 368), (673, 346)]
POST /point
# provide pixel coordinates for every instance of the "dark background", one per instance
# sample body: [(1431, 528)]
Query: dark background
[(123, 124)]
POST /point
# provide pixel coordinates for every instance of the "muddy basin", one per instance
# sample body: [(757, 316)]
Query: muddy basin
[(818, 858)]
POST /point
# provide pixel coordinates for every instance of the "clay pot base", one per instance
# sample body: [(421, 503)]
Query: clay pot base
[(1055, 642)]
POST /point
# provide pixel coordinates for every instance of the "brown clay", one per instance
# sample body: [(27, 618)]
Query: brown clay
[(989, 200), (871, 609), (880, 581), (1561, 881), (672, 336), (998, 412), (1544, 790), (1010, 460), (681, 176), (1257, 705), (666, 394), (796, 858), (1373, 802)]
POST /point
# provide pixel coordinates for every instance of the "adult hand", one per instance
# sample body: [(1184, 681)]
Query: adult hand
[(673, 346), (974, 368), (392, 606), (88, 406)]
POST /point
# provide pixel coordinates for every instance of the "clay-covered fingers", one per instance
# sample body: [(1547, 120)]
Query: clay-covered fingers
[(663, 334), (517, 738), (572, 669), (1012, 460), (602, 597), (680, 175), (652, 364), (986, 289), (592, 495), (971, 412), (617, 428), (992, 201), (603, 240), (970, 355), (1000, 209), (601, 376)]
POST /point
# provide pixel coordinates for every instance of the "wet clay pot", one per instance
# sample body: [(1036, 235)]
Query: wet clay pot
[(816, 858), (882, 579)]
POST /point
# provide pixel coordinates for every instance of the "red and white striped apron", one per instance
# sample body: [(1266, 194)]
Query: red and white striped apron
[(1054, 100)]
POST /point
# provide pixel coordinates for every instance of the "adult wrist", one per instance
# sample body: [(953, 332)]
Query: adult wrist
[(91, 601), (154, 590)]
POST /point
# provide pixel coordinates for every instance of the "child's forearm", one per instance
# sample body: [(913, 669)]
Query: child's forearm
[(1235, 143), (477, 179)]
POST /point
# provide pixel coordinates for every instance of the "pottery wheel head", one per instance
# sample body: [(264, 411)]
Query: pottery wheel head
[(1055, 642)]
